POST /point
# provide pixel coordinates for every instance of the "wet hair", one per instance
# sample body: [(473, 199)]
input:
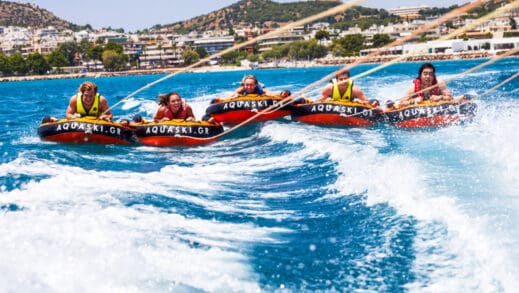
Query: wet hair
[(250, 76), (430, 66), (87, 85), (341, 72), (164, 98)]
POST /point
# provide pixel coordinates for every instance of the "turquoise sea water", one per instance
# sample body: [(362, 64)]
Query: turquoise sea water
[(279, 206)]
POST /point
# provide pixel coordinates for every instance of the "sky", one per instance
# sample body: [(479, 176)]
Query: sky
[(133, 15)]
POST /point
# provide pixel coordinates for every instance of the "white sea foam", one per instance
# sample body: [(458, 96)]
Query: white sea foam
[(130, 103), (456, 248), (74, 234), (75, 230)]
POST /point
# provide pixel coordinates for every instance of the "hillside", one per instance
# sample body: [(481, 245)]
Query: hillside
[(24, 15), (244, 13), (266, 13)]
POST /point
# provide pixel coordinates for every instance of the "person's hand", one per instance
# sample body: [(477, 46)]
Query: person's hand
[(324, 99), (285, 93), (402, 103), (417, 100), (447, 98), (76, 115), (436, 98), (105, 117)]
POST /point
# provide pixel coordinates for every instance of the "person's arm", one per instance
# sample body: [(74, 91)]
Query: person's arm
[(71, 109), (269, 92), (189, 113), (444, 91), (357, 93), (106, 113), (238, 92), (408, 97), (159, 115), (326, 93)]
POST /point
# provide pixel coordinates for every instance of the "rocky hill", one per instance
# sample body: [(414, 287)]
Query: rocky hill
[(244, 13), (25, 15), (265, 13)]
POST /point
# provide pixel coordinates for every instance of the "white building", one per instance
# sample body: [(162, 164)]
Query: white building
[(408, 12), (267, 43), (492, 46), (215, 44), (15, 39)]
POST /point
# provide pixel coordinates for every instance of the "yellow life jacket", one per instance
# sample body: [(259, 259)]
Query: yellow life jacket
[(336, 93), (94, 109)]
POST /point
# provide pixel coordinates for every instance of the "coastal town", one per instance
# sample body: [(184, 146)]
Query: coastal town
[(266, 146), (163, 49)]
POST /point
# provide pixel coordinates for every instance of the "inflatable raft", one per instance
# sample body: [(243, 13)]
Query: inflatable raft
[(236, 110), (336, 113), (84, 130), (176, 132), (431, 114)]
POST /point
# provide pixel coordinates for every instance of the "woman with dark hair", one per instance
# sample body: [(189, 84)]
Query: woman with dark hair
[(426, 87), (173, 107)]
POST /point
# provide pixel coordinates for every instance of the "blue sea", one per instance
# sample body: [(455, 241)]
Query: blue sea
[(279, 206)]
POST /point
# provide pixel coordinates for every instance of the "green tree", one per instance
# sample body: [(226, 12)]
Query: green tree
[(118, 48), (202, 52), (57, 59), (423, 38), (302, 50), (4, 65), (190, 57), (277, 52), (348, 45), (321, 35), (36, 64), (84, 46), (113, 61), (233, 57), (95, 53), (379, 40), (254, 57), (17, 64), (160, 55), (69, 50), (271, 54)]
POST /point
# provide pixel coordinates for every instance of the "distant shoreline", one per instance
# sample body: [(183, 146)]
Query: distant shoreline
[(117, 73), (315, 63)]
